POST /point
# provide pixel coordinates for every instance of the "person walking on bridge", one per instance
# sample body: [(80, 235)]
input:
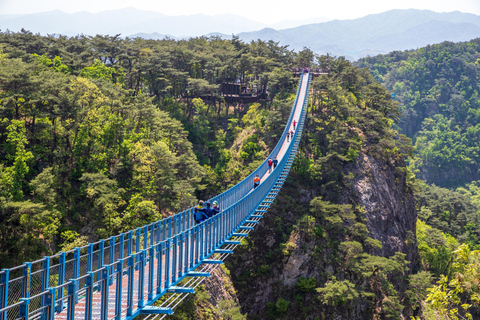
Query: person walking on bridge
[(270, 163), (216, 208), (288, 136), (200, 212), (256, 181), (294, 124), (209, 210), (275, 163)]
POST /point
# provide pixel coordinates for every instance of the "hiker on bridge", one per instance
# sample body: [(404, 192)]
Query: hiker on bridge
[(294, 124), (200, 214), (275, 163), (209, 210), (216, 208), (256, 181), (270, 163), (288, 136)]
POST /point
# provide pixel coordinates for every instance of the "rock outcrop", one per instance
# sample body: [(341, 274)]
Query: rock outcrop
[(389, 207), (266, 271)]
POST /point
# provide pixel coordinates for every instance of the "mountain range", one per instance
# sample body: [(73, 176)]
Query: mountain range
[(376, 33), (130, 21), (356, 38)]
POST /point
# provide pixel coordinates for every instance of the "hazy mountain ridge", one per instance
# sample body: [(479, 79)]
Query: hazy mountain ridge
[(369, 35), (378, 33), (126, 22)]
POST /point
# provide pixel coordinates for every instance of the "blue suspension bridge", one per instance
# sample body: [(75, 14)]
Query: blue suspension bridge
[(123, 276)]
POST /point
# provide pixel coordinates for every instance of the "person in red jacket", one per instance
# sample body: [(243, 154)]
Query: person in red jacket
[(270, 163), (294, 124), (256, 181)]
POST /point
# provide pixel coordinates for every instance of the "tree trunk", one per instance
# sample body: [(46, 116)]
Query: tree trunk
[(17, 113)]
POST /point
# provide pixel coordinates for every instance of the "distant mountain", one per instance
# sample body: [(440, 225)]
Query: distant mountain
[(371, 35), (376, 34), (132, 22), (296, 23), (127, 21)]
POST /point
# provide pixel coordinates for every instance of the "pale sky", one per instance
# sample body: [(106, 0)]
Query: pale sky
[(267, 11)]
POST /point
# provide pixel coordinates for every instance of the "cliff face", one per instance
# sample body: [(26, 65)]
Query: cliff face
[(294, 250), (389, 209)]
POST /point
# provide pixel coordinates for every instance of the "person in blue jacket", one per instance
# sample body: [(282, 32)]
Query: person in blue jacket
[(216, 208), (209, 210), (200, 214), (275, 163)]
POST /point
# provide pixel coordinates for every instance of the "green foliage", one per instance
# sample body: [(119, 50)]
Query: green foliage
[(337, 293), (100, 71), (449, 211), (372, 243), (139, 212), (77, 155), (306, 284), (334, 215), (72, 240), (138, 129), (438, 90), (43, 187), (13, 177), (417, 290), (346, 120), (271, 310), (288, 247), (307, 225), (457, 298), (264, 269), (28, 232), (54, 64), (250, 148), (282, 306), (435, 248), (229, 310)]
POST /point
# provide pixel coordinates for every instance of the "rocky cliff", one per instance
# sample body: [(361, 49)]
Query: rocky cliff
[(297, 249), (389, 209)]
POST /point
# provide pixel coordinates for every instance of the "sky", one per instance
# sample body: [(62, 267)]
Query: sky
[(267, 11)]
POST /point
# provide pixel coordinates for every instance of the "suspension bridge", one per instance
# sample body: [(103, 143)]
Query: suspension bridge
[(123, 276)]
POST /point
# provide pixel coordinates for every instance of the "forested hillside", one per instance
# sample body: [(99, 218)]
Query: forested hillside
[(99, 135), (438, 89)]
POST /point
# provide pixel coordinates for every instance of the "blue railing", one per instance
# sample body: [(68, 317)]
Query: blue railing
[(121, 276)]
